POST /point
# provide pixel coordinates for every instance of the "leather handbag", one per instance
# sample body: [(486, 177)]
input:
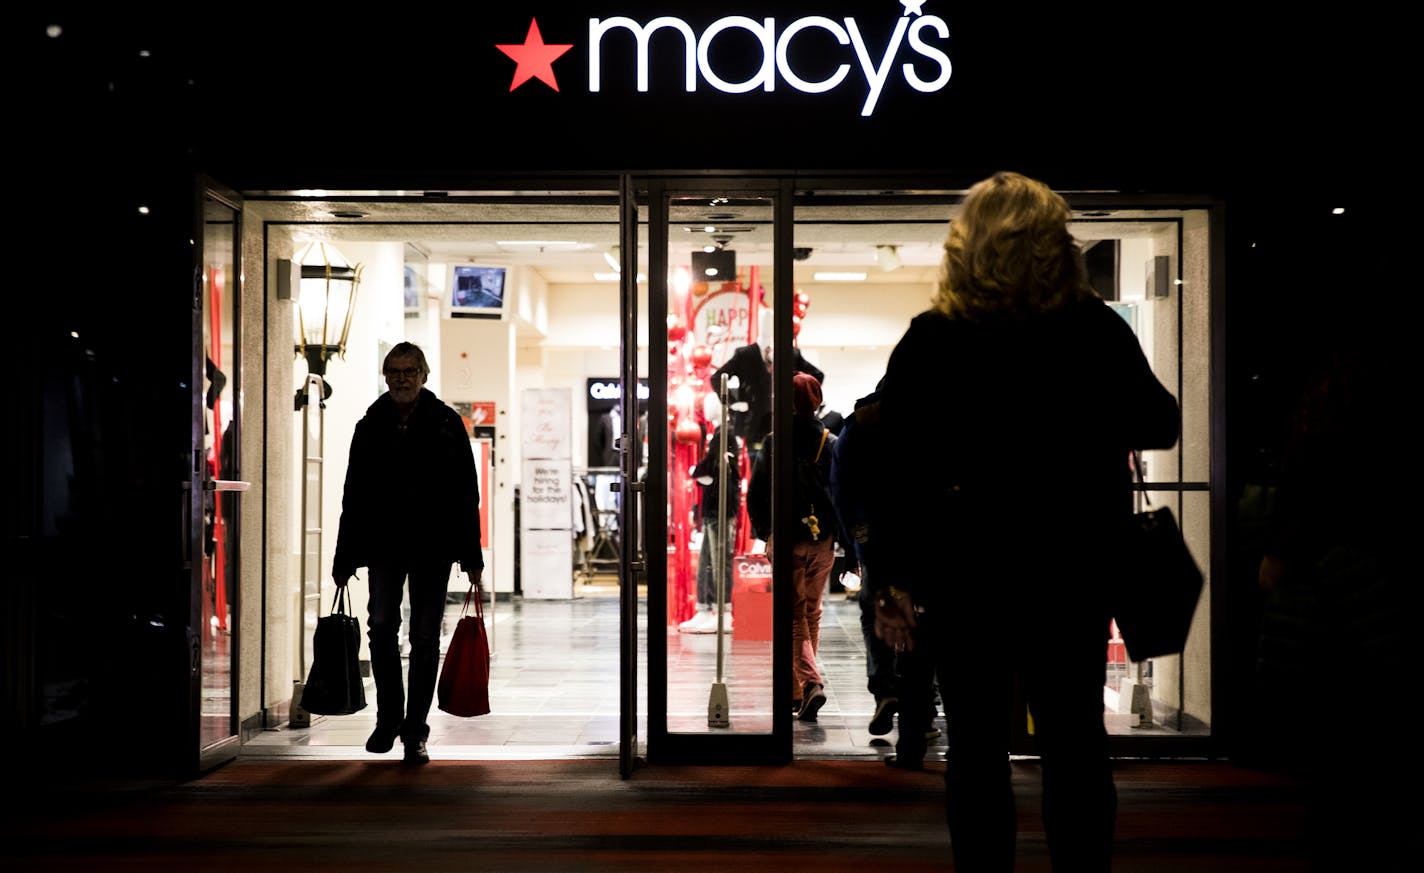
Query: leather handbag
[(463, 688), (334, 685), (1159, 583)]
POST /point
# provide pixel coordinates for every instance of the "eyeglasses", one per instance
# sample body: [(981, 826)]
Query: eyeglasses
[(405, 373)]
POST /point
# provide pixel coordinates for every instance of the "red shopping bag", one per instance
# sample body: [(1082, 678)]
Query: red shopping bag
[(464, 677)]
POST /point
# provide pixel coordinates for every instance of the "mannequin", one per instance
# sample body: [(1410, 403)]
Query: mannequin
[(750, 367)]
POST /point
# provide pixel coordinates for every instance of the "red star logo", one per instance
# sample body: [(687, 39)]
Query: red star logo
[(534, 58)]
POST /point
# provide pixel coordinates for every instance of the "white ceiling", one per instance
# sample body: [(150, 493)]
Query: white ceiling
[(566, 242)]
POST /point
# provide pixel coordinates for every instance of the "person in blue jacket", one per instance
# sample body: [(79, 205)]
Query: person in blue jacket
[(901, 682)]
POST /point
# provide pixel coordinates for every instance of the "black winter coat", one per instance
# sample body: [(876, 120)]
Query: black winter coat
[(412, 494), (1008, 447), (748, 364)]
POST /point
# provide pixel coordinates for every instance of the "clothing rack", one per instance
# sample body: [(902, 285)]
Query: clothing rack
[(606, 551)]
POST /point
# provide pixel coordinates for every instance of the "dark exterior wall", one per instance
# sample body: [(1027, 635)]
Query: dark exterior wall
[(1266, 116)]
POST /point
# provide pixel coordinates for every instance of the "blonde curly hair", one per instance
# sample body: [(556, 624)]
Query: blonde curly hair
[(1009, 253)]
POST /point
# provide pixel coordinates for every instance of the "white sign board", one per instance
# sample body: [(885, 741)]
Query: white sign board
[(546, 496), (544, 420), (546, 564)]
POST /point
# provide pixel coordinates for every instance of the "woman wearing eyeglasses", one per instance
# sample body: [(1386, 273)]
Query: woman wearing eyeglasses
[(410, 508)]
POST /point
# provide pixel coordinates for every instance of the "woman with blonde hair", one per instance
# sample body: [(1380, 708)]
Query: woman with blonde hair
[(1017, 400)]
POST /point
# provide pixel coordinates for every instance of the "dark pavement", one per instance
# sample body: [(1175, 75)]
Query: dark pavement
[(578, 815)]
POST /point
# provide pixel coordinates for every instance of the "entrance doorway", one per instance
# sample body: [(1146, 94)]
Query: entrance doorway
[(855, 267)]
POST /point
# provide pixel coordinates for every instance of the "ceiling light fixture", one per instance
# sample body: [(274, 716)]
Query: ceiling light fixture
[(612, 256), (888, 257), (837, 276), (541, 244)]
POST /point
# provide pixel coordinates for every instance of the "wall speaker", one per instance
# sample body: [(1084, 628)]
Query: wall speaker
[(289, 278)]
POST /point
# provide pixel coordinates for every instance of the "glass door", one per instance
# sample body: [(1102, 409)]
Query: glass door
[(868, 254), (218, 445), (718, 658), (628, 449)]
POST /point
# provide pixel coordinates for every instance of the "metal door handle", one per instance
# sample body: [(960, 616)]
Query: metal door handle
[(226, 485)]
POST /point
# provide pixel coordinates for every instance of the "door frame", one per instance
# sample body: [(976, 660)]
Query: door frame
[(200, 757), (665, 747), (632, 558)]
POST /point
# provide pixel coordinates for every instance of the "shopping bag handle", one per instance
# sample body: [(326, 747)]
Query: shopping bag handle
[(1141, 480), (479, 597), (341, 603)]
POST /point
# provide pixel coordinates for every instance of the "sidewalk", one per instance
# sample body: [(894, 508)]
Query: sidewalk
[(578, 815)]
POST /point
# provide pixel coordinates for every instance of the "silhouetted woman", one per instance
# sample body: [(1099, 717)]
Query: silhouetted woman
[(1013, 405)]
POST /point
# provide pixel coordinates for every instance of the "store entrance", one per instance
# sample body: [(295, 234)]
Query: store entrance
[(587, 603), (594, 583)]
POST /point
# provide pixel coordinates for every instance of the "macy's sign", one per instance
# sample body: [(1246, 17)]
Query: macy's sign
[(916, 36)]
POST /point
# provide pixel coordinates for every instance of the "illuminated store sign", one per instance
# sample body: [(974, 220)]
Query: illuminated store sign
[(600, 390), (916, 37)]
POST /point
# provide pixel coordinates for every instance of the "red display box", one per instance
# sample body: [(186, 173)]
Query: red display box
[(751, 597)]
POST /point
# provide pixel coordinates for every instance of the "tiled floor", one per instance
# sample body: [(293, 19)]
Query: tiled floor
[(554, 689)]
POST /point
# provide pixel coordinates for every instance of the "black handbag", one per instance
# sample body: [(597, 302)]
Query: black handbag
[(334, 685), (1158, 583)]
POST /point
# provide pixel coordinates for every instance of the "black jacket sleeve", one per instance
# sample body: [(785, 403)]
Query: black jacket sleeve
[(353, 531)]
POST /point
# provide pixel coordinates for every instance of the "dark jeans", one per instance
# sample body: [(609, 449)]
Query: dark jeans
[(909, 676), (1058, 663), (427, 609), (706, 578), (879, 658)]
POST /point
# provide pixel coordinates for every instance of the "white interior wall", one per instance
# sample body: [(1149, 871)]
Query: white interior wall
[(564, 335)]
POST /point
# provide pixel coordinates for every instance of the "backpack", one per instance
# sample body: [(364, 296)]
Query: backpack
[(813, 507), (811, 502)]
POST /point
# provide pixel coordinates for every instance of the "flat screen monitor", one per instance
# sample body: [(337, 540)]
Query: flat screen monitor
[(477, 291)]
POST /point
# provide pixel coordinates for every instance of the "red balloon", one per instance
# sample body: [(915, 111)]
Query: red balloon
[(800, 303), (701, 356), (676, 329), (688, 431)]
